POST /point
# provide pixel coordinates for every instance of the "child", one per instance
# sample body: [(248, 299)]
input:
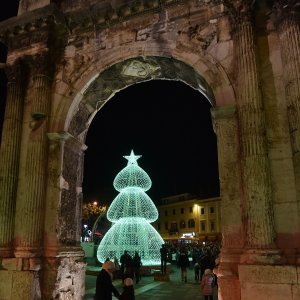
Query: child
[(207, 284), (128, 290)]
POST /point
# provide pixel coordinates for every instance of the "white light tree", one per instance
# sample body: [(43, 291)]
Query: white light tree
[(132, 211)]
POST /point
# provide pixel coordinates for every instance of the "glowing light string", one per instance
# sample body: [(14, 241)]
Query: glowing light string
[(132, 211)]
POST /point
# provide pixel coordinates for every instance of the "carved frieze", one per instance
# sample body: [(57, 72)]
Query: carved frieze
[(139, 69)]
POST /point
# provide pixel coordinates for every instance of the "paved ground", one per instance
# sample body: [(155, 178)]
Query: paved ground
[(148, 289)]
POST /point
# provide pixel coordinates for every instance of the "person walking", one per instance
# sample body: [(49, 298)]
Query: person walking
[(104, 285), (207, 284), (128, 290), (137, 263), (183, 263), (163, 258)]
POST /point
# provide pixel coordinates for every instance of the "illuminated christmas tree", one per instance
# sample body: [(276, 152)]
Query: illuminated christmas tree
[(131, 213)]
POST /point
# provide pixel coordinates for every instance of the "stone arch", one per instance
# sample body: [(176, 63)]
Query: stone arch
[(88, 101), (132, 71), (220, 42)]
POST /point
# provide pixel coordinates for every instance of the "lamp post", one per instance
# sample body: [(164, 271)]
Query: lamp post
[(198, 219)]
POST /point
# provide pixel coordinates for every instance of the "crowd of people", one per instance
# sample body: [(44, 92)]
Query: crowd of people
[(201, 258)]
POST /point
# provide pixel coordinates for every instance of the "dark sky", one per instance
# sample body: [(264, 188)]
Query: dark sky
[(166, 122)]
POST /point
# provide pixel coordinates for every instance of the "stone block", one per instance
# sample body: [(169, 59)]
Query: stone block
[(10, 264), (296, 292), (23, 285), (263, 291), (6, 279), (268, 274), (34, 264)]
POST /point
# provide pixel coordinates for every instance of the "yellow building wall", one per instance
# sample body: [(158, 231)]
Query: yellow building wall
[(206, 211)]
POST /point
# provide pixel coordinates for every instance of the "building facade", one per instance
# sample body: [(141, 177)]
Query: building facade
[(183, 218), (67, 58)]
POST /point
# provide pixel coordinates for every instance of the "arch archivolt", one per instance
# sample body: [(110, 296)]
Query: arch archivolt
[(100, 80)]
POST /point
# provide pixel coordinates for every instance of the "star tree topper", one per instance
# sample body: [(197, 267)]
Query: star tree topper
[(132, 158)]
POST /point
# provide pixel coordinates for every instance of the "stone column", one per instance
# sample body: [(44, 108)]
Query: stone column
[(259, 219), (10, 156), (30, 207), (225, 126), (63, 255), (287, 19)]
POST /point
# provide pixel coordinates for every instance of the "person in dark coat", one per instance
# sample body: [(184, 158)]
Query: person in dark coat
[(137, 263), (128, 290), (183, 263), (104, 286), (163, 258)]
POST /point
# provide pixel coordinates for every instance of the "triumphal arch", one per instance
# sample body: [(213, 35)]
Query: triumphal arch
[(67, 58)]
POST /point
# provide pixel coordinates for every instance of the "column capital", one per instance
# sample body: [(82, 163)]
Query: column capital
[(239, 11), (14, 71), (39, 64), (283, 9)]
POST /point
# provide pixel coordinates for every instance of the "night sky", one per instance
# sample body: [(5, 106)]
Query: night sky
[(166, 122)]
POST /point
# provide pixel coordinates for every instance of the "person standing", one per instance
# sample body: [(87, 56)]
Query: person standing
[(183, 263), (128, 271), (104, 285), (123, 261), (137, 263), (207, 284), (128, 290), (197, 272), (117, 272), (163, 258)]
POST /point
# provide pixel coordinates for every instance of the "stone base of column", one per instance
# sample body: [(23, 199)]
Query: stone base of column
[(26, 252), (227, 273), (262, 256), (64, 274), (229, 288), (6, 252), (19, 285), (261, 282)]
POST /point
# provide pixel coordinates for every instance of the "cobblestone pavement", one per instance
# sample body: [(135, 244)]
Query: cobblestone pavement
[(148, 288)]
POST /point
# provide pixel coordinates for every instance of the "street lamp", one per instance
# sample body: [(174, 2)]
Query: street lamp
[(198, 218)]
